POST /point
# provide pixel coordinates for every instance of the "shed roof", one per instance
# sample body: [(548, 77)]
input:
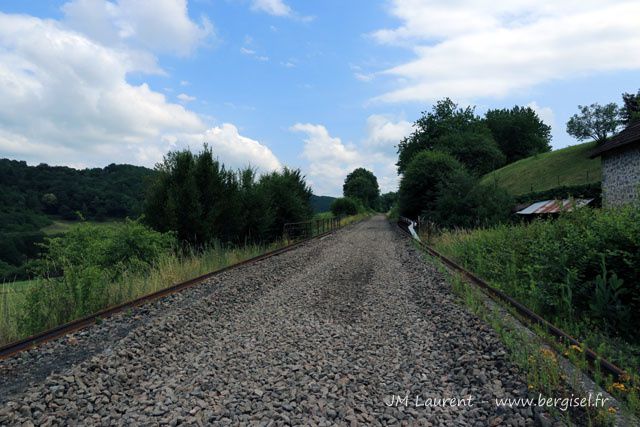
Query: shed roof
[(554, 206), (630, 135)]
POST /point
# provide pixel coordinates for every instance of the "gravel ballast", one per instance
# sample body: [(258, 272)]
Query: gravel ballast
[(327, 334)]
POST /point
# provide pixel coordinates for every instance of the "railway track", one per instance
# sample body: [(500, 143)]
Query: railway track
[(33, 341), (524, 313)]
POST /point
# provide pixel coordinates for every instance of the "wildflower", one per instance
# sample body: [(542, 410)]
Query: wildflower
[(548, 353), (619, 386), (576, 348), (611, 410)]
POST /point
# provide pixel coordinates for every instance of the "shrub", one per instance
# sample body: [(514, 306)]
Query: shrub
[(419, 186), (583, 267), (463, 202), (346, 206), (78, 266)]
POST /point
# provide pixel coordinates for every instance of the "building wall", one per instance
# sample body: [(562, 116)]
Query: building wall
[(621, 176)]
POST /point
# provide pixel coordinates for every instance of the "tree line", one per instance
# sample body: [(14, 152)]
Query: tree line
[(442, 161), (199, 199)]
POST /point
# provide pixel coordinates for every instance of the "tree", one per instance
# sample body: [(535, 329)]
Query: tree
[(444, 118), (289, 198), (477, 151), (387, 200), (519, 132), (50, 203), (463, 202), (594, 121), (630, 111), (345, 206), (419, 185), (362, 185)]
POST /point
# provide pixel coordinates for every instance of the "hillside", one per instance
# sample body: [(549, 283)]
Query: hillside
[(565, 167), (321, 203)]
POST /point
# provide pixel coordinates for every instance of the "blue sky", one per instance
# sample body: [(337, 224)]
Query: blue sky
[(325, 86)]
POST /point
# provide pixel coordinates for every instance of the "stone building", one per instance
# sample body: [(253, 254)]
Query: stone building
[(621, 167)]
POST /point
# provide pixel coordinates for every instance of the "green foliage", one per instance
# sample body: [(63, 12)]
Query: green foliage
[(346, 206), (630, 111), (116, 191), (607, 301), (387, 201), (362, 185), (445, 118), (519, 132), (200, 200), (288, 197), (29, 194), (78, 267), (419, 185), (463, 202), (321, 203), (594, 122), (595, 253), (476, 150), (570, 166)]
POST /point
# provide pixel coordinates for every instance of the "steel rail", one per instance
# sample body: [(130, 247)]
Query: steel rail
[(33, 341), (530, 316)]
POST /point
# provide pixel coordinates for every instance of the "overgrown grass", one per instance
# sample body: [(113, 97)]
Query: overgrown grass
[(538, 362), (57, 304), (581, 272), (29, 307), (565, 167)]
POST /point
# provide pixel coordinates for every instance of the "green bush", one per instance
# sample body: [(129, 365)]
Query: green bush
[(419, 185), (78, 266), (346, 206), (583, 268), (463, 202)]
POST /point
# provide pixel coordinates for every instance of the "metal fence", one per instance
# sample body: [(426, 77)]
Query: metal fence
[(307, 229)]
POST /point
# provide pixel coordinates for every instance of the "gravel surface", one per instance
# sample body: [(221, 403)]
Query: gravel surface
[(323, 335)]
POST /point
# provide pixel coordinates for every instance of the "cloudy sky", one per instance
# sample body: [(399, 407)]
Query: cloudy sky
[(323, 85)]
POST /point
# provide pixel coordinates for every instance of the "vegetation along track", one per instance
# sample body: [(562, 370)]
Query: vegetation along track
[(528, 315), (323, 335)]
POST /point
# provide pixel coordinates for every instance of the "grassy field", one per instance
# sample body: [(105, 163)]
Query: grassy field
[(60, 226), (565, 167)]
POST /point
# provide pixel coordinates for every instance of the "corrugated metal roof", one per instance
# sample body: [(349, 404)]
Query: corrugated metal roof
[(554, 206)]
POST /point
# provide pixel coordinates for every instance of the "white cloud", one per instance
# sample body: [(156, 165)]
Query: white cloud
[(64, 99), (465, 49), (330, 160), (184, 98), (545, 113), (383, 133), (278, 8), (252, 53), (235, 150), (159, 25), (272, 7)]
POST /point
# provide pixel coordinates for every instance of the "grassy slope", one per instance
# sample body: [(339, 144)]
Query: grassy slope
[(565, 167)]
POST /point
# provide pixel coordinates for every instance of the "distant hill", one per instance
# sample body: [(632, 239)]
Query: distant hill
[(321, 203), (568, 166)]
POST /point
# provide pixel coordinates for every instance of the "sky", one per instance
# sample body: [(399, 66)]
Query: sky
[(321, 85)]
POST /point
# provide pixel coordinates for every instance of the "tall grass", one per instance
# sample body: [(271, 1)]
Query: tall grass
[(580, 271), (50, 298), (29, 307)]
